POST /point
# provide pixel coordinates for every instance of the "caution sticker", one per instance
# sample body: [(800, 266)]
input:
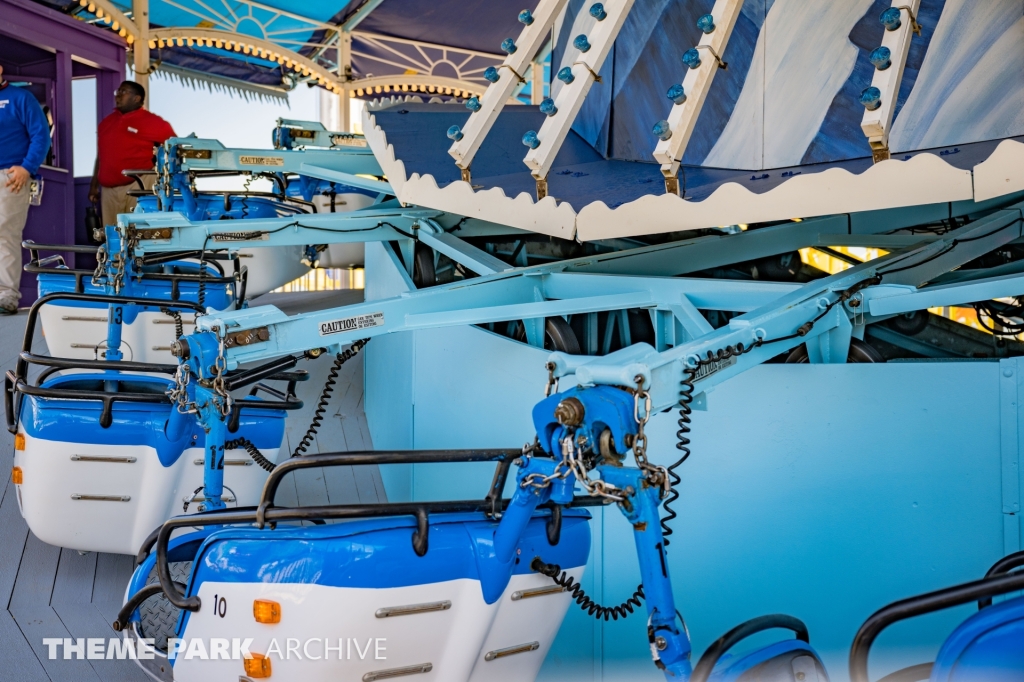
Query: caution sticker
[(704, 371), (261, 160), (253, 236), (349, 324)]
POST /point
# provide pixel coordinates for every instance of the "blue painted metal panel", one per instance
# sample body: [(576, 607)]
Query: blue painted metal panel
[(889, 488)]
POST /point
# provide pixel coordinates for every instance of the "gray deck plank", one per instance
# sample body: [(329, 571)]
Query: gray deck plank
[(39, 621), (36, 575), (20, 661), (15, 533), (84, 620), (75, 576), (113, 571)]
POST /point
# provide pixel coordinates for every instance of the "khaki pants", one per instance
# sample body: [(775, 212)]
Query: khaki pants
[(115, 200), (13, 214)]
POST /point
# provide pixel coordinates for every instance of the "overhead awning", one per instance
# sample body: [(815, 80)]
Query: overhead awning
[(361, 48)]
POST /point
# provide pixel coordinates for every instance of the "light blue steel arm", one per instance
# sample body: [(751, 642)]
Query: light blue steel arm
[(523, 294), (289, 134), (150, 233), (829, 304), (196, 154)]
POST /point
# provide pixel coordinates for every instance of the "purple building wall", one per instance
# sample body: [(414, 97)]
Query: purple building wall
[(48, 50)]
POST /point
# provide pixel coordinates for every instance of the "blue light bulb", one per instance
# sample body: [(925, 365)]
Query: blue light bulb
[(581, 43), (890, 18), (547, 107), (597, 11), (473, 103), (706, 23), (662, 130), (871, 98), (455, 133), (508, 46), (676, 94), (492, 74), (692, 58), (565, 75), (531, 140), (526, 17), (881, 58)]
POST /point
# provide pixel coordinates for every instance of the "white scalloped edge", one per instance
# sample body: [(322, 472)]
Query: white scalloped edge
[(545, 217), (923, 179), (1001, 173), (394, 169)]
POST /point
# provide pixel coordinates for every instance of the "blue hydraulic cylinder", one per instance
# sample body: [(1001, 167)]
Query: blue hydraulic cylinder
[(215, 425), (670, 645), (115, 320)]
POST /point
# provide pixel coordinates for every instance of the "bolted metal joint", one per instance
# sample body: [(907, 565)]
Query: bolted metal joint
[(570, 412), (179, 349), (246, 337)]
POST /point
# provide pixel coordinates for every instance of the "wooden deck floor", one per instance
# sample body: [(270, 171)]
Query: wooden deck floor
[(54, 592)]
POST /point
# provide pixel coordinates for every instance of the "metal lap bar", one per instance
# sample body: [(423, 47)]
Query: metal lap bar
[(585, 67), (696, 85), (877, 123), (531, 39)]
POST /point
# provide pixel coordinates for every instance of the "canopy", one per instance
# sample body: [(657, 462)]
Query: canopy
[(435, 47)]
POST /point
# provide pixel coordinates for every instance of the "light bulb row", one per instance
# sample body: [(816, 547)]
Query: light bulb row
[(404, 87), (245, 48), (881, 57), (508, 46), (104, 18), (676, 93)]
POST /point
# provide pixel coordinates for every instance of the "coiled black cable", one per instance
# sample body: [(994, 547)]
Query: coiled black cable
[(245, 196), (683, 445), (325, 395), (179, 329), (592, 608), (254, 452), (685, 410)]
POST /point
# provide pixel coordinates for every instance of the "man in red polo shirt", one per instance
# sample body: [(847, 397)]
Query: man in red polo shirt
[(127, 138)]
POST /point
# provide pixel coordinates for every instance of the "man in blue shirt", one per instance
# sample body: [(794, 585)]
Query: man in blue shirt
[(24, 142)]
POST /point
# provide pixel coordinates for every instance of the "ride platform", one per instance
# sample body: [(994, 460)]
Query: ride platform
[(52, 592)]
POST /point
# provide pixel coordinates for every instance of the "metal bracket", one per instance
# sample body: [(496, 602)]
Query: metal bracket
[(159, 233), (672, 184), (196, 153), (518, 75), (542, 188), (724, 66), (467, 176), (247, 337)]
